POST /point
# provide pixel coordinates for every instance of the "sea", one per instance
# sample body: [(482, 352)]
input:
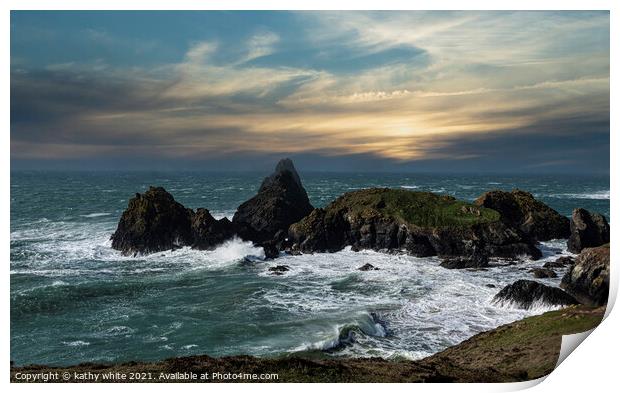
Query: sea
[(74, 299)]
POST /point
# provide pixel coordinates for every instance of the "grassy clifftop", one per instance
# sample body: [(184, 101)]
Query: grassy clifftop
[(523, 350), (423, 209)]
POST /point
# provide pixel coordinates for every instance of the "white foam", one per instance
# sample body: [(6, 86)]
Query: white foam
[(223, 214), (230, 252), (120, 330), (598, 195), (426, 308), (92, 215), (537, 307), (77, 343)]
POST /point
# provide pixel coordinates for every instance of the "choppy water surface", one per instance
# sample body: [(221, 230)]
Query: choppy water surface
[(74, 299)]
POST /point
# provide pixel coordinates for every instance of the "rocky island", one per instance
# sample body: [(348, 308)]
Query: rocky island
[(280, 218)]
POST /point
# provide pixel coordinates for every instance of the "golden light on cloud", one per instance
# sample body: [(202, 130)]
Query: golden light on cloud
[(396, 86)]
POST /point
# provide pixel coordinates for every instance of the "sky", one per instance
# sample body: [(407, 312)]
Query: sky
[(469, 91)]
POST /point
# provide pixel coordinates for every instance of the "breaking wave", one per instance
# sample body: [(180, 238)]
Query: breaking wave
[(343, 335)]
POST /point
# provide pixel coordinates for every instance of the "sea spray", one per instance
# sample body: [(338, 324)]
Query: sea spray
[(228, 306)]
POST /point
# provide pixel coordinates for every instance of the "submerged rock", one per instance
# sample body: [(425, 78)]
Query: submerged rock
[(279, 270), (588, 279), (475, 261), (280, 202), (559, 263), (367, 267), (587, 230), (419, 223), (153, 222), (543, 273), (519, 209), (525, 293)]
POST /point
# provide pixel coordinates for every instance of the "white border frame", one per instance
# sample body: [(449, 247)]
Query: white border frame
[(591, 367)]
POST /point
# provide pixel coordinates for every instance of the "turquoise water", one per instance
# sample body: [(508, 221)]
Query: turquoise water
[(74, 299)]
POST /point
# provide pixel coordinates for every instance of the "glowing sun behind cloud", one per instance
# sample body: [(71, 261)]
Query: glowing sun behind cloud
[(400, 87)]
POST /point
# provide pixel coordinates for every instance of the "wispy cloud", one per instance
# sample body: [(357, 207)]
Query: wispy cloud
[(484, 74)]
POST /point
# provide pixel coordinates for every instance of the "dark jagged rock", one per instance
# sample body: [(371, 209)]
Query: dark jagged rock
[(524, 293), (278, 270), (519, 209), (208, 232), (559, 263), (587, 230), (543, 273), (271, 250), (367, 267), (280, 218), (474, 261), (419, 223), (280, 202), (153, 222), (588, 278)]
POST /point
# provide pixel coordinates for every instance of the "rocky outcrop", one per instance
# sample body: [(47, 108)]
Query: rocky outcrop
[(543, 273), (587, 230), (559, 263), (207, 232), (588, 278), (519, 209), (419, 223), (280, 202), (367, 267), (153, 222), (279, 270), (525, 293), (471, 262)]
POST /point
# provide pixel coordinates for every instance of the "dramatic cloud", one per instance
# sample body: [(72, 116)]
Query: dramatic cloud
[(508, 91)]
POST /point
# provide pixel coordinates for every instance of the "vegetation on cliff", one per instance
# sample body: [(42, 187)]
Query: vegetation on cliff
[(419, 223), (422, 209)]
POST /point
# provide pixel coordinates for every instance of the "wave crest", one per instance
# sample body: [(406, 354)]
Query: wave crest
[(343, 335)]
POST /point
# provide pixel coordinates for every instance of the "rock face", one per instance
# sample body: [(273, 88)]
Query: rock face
[(524, 293), (280, 202), (207, 232), (519, 209), (559, 263), (587, 230), (154, 222), (588, 278), (278, 270), (543, 273), (419, 223)]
